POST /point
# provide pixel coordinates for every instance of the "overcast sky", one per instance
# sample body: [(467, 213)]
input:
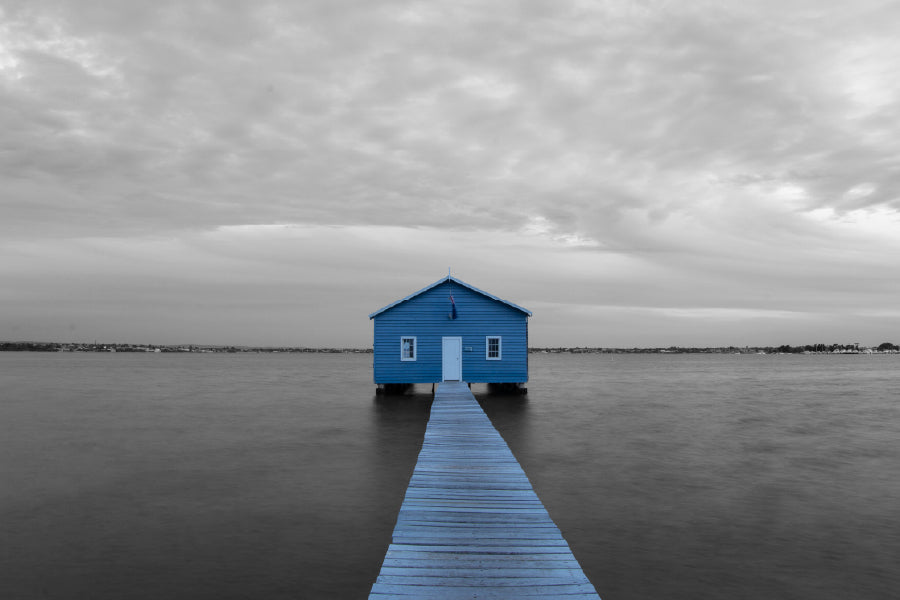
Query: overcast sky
[(269, 173)]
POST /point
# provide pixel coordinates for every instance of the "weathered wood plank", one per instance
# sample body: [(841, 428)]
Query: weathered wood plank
[(495, 518), (471, 525), (470, 594), (483, 542), (583, 590), (531, 533), (422, 557), (458, 571), (484, 578), (497, 564), (497, 549)]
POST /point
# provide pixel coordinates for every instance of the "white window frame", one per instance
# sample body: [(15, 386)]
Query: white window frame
[(487, 347), (415, 348)]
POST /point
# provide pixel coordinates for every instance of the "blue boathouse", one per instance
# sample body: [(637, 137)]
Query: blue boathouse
[(450, 331)]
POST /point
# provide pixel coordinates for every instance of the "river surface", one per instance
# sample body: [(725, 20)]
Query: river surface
[(269, 476)]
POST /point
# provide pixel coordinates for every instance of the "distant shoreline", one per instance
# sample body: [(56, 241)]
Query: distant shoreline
[(810, 349), (884, 348), (177, 348)]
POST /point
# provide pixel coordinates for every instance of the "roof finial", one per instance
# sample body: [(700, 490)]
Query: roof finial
[(448, 272)]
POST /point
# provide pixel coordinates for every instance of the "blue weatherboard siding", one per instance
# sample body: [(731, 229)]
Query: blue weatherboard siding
[(425, 316)]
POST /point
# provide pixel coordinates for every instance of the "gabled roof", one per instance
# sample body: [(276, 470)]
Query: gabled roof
[(452, 280)]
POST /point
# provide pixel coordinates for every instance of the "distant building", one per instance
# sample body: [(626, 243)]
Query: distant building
[(450, 331)]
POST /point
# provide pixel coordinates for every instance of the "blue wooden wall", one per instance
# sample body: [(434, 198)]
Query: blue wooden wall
[(425, 316)]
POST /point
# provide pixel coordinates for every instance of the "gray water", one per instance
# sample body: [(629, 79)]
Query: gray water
[(280, 476)]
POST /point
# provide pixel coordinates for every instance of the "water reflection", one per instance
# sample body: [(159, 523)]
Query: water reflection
[(398, 429), (508, 414)]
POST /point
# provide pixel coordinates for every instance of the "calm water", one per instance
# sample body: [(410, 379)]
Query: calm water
[(280, 476)]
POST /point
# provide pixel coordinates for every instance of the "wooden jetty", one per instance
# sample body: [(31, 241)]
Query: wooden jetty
[(471, 526)]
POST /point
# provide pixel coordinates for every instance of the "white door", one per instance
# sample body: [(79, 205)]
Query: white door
[(451, 358)]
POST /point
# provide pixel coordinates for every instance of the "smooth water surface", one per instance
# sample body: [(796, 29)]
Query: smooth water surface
[(718, 476), (280, 475), (198, 475)]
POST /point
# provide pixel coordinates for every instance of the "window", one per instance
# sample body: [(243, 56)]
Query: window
[(494, 347), (408, 348)]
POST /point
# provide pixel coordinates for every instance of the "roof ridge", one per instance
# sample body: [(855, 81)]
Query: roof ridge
[(449, 278)]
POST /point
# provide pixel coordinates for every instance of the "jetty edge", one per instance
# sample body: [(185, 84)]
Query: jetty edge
[(471, 525)]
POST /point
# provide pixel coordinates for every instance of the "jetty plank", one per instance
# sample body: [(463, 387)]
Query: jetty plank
[(471, 525)]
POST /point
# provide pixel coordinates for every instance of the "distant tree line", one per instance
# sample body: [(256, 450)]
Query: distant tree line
[(783, 349), (28, 347), (786, 349), (95, 347)]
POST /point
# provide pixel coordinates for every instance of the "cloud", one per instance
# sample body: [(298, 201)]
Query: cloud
[(587, 105), (701, 157), (281, 284)]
